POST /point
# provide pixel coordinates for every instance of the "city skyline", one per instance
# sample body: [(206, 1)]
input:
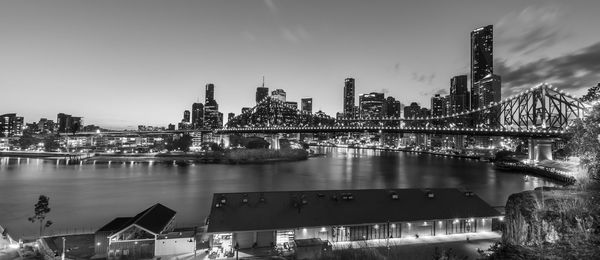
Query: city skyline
[(525, 33)]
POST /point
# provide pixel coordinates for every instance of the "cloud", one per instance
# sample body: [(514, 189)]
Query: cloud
[(423, 78), (532, 29), (442, 92), (295, 35), (271, 5), (580, 69)]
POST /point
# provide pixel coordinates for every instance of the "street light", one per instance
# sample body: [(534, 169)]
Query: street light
[(63, 248)]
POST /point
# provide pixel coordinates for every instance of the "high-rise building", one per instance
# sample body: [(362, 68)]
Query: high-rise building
[(261, 93), (482, 58), (186, 116), (209, 93), (306, 105), (212, 117), (459, 94), (197, 115), (371, 105), (438, 104), (349, 91), (279, 94), (11, 125), (64, 122), (411, 111), (392, 107), (230, 116), (489, 90), (292, 104)]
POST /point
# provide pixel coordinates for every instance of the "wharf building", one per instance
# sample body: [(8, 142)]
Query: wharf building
[(151, 233), (266, 219), (11, 125)]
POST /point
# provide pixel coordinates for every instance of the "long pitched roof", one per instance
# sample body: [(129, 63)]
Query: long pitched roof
[(154, 218), (296, 209)]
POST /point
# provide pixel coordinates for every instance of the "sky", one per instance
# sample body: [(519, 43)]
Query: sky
[(123, 63)]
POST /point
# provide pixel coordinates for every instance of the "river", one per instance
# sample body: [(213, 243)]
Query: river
[(88, 196)]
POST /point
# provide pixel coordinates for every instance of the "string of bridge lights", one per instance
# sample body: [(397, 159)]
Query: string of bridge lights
[(491, 105)]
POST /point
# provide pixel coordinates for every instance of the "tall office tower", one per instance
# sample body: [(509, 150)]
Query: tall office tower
[(446, 105), (186, 116), (262, 92), (392, 107), (11, 125), (230, 116), (489, 92), (437, 105), (371, 105), (459, 94), (412, 111), (306, 105), (482, 58), (212, 117), (197, 115), (279, 94), (64, 122), (209, 93), (349, 97)]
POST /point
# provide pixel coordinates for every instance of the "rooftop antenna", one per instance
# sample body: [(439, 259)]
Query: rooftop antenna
[(263, 85)]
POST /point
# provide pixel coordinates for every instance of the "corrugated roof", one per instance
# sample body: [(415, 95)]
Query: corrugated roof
[(115, 225), (154, 218), (296, 209)]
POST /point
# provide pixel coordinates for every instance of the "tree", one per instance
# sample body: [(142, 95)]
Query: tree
[(26, 141), (183, 143), (50, 144), (41, 209), (584, 142), (75, 127), (592, 95)]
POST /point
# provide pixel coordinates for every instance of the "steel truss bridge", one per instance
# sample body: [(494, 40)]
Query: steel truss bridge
[(542, 111)]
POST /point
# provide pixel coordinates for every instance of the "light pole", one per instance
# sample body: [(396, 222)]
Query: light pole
[(63, 248)]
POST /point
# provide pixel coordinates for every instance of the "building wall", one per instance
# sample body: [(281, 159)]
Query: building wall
[(244, 239), (174, 246), (131, 250), (101, 242)]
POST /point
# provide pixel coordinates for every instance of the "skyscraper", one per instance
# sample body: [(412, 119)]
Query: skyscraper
[(482, 58), (261, 93), (459, 94), (349, 97), (209, 93), (212, 117), (186, 116), (197, 115), (411, 111), (392, 107), (371, 105), (11, 125), (279, 94), (306, 105), (437, 105), (489, 92)]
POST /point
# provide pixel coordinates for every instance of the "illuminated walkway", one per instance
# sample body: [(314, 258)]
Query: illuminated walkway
[(414, 240)]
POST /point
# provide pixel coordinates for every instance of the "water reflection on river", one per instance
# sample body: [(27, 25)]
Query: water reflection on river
[(87, 196)]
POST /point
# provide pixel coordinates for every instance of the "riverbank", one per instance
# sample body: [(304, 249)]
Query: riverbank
[(463, 156), (230, 156), (545, 172)]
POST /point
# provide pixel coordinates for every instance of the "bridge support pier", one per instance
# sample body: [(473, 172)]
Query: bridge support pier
[(274, 142), (540, 149), (225, 141)]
